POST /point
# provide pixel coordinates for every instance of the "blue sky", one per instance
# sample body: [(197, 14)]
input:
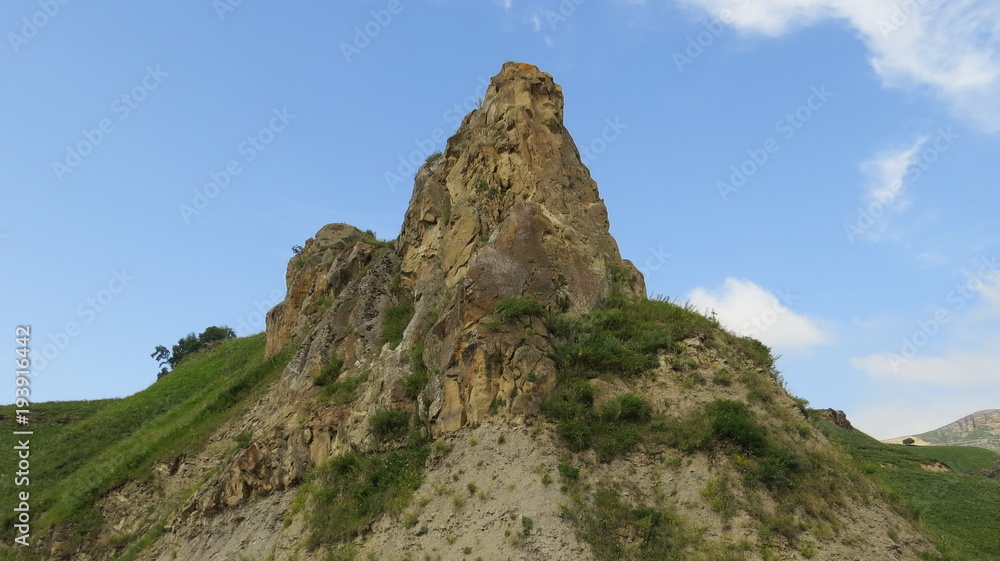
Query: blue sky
[(820, 173)]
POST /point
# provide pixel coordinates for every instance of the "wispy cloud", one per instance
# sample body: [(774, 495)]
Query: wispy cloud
[(748, 309), (890, 176), (887, 172), (949, 47)]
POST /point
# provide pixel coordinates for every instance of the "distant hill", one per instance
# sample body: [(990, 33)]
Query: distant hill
[(981, 429)]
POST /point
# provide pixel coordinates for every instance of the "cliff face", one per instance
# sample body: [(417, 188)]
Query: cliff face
[(508, 210), (443, 328)]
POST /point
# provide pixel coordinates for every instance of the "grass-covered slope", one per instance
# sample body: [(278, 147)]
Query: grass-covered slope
[(947, 489), (81, 450)]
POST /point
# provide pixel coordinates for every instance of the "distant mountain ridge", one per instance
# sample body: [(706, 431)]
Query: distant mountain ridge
[(980, 429)]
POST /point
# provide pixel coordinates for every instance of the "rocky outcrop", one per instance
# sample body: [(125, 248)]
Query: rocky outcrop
[(507, 211), (836, 417)]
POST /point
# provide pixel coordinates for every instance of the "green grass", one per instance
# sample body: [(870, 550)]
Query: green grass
[(512, 308), (389, 424), (343, 390), (116, 440), (394, 323), (329, 373), (960, 508), (349, 492), (624, 337), (417, 381), (654, 532)]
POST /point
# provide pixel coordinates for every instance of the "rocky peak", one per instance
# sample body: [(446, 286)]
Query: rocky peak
[(511, 208), (507, 212)]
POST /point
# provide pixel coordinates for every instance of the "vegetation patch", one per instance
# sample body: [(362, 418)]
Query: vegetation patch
[(117, 440), (617, 530), (615, 429), (512, 308), (729, 427), (343, 390), (959, 508), (351, 491), (394, 324), (329, 373), (417, 381), (625, 336), (389, 424)]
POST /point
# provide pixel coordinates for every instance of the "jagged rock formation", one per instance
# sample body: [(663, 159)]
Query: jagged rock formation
[(836, 417), (508, 211), (980, 429)]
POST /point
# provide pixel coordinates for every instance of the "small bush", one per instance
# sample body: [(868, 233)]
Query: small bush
[(653, 533), (731, 423), (576, 433), (569, 472), (611, 439), (394, 323), (351, 491), (433, 157), (527, 525), (342, 392), (389, 424), (722, 378), (571, 400), (511, 308), (417, 381), (243, 439), (329, 373), (628, 408)]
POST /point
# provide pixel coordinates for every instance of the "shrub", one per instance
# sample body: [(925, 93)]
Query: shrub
[(731, 423), (652, 533), (628, 408), (352, 490), (329, 373), (611, 440), (570, 400), (417, 381), (576, 433), (342, 392), (569, 472), (433, 157), (389, 424), (395, 321), (723, 378), (511, 308)]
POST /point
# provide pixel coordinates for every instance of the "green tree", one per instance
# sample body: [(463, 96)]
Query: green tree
[(908, 441), (187, 345)]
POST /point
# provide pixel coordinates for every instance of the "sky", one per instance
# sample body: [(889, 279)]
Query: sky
[(820, 174)]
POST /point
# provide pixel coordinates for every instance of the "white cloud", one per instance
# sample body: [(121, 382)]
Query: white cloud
[(887, 173), (947, 46), (747, 309)]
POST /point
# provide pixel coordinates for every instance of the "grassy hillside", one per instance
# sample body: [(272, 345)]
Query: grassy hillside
[(956, 502), (80, 450)]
